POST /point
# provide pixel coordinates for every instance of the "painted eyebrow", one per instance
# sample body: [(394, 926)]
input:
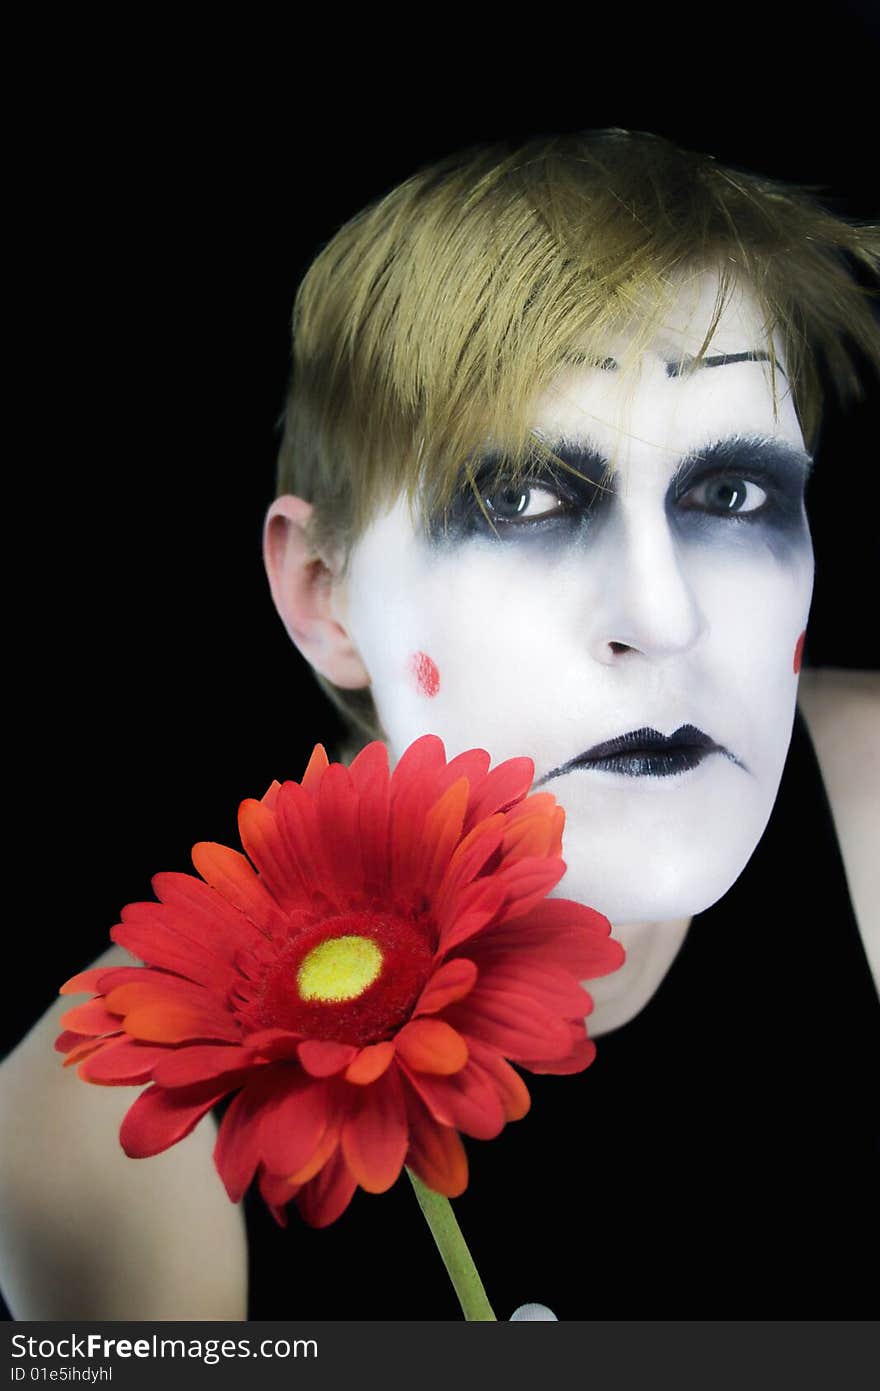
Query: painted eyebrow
[(678, 369)]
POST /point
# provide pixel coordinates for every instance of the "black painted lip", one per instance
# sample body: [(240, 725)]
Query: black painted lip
[(647, 752), (687, 736)]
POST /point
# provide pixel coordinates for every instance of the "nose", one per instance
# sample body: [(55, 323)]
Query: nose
[(646, 602)]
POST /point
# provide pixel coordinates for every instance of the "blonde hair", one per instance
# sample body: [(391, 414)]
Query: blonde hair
[(433, 319)]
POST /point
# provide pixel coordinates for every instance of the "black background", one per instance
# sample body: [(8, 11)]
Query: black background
[(172, 195)]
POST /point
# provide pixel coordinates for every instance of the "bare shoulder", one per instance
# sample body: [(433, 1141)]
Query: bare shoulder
[(842, 711), (87, 1232)]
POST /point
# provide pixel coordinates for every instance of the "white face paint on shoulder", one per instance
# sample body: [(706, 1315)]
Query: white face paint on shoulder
[(634, 634)]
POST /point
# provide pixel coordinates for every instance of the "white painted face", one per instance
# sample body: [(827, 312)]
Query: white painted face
[(671, 600)]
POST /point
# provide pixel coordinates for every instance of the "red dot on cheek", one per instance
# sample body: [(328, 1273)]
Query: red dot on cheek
[(799, 653), (426, 673)]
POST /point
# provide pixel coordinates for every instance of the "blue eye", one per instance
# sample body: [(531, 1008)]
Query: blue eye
[(522, 502), (725, 495)]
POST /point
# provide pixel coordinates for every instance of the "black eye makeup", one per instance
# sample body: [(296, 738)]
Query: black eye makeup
[(545, 497), (740, 480)]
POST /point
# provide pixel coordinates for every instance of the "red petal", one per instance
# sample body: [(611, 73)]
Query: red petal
[(231, 874), (473, 764), (322, 1058), (418, 782), (295, 1124), (92, 1018), (477, 906), (370, 775), (567, 934), (327, 1196), (298, 822), (150, 987), (437, 1155), (270, 796), (370, 1063), (166, 1009), (277, 1192), (315, 768), (177, 1024), (159, 945), (338, 816), (88, 982), (197, 911), (582, 1053), (423, 759), (107, 978), (500, 789), (430, 1045), (375, 1137), (122, 1064), (527, 882), (368, 765), (274, 1043), (532, 829), (325, 1151), (510, 1086), (237, 1151), (469, 858), (158, 1119), (513, 1023), (467, 1100), (553, 988), (282, 871), (183, 1067), (89, 1047), (85, 1048), (160, 1011), (441, 834), (451, 981)]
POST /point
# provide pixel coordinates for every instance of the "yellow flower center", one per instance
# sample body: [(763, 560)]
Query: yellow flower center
[(339, 969)]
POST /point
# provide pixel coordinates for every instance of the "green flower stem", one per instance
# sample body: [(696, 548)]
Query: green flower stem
[(456, 1256)]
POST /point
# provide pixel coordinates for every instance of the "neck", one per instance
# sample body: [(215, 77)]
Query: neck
[(650, 950)]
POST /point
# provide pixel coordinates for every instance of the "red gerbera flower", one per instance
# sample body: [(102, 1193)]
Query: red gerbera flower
[(360, 983)]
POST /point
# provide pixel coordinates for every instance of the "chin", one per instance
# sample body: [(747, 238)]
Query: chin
[(654, 889)]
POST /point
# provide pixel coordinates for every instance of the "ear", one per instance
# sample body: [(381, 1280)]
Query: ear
[(309, 594)]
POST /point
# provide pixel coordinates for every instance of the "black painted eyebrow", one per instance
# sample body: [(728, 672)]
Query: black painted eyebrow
[(607, 364), (678, 369), (688, 363)]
